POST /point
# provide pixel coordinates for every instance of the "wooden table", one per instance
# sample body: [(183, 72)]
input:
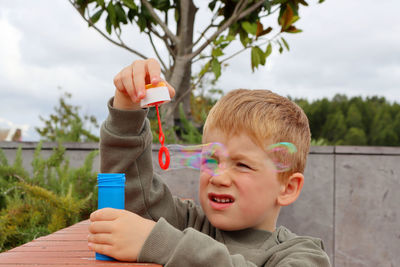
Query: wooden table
[(64, 248)]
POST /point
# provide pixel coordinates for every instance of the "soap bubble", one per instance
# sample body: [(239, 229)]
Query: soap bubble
[(197, 157), (212, 157), (280, 154)]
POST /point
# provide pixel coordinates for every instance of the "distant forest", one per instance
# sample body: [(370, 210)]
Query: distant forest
[(371, 121)]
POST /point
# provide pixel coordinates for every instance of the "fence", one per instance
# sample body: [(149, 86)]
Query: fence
[(350, 198)]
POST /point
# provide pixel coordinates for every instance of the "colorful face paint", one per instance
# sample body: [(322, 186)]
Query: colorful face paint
[(212, 158)]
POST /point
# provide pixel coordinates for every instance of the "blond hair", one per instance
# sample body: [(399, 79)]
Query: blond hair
[(265, 117)]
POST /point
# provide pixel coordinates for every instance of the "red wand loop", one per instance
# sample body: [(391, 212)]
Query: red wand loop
[(163, 149)]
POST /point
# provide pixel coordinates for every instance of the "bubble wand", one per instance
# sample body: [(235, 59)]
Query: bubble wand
[(155, 96)]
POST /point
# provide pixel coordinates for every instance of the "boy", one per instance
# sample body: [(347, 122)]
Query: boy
[(235, 225)]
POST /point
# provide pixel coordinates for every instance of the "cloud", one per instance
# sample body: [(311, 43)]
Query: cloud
[(346, 47)]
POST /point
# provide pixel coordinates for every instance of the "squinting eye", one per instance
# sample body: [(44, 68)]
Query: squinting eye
[(242, 165)]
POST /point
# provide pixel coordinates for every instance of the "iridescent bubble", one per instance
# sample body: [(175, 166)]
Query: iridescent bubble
[(209, 157), (197, 157), (280, 154)]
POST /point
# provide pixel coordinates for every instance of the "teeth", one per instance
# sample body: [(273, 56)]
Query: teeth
[(222, 200)]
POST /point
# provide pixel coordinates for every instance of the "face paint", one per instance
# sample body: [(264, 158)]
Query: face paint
[(213, 158)]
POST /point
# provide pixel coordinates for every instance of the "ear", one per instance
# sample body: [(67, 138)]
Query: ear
[(291, 190)]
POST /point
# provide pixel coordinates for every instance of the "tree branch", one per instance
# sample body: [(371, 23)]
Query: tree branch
[(248, 46), (105, 36), (250, 9), (238, 14), (204, 32), (165, 39), (157, 54), (164, 26)]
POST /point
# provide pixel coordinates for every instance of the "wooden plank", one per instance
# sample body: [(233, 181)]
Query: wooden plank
[(64, 248)]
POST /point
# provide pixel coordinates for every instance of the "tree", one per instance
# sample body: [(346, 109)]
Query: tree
[(230, 20), (383, 130), (67, 125), (354, 117), (356, 137), (334, 128)]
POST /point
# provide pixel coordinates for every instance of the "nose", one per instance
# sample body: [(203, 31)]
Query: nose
[(223, 179)]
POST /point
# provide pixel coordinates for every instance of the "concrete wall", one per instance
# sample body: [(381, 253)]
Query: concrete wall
[(350, 198)]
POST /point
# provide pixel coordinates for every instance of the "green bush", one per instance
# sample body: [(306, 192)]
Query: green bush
[(53, 197)]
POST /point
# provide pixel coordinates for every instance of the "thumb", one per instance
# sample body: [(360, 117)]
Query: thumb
[(106, 214)]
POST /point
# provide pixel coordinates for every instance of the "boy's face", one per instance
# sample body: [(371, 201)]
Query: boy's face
[(244, 194)]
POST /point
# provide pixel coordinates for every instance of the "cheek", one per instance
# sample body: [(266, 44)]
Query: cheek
[(204, 180)]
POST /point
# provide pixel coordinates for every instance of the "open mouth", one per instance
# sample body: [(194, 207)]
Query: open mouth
[(222, 199)]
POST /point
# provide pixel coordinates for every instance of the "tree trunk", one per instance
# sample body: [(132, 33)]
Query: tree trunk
[(180, 77)]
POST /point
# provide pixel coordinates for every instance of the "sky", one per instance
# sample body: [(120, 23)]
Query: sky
[(46, 48)]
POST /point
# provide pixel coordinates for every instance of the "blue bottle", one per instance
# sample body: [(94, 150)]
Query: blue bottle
[(111, 194)]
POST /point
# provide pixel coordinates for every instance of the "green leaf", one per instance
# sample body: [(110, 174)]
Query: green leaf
[(205, 68), (244, 39), (268, 51), (211, 5), (295, 8), (120, 13), (219, 40), (279, 2), (112, 14), (255, 58), (285, 43), (280, 46), (100, 2), (96, 16), (293, 29), (216, 68), (217, 52), (267, 6), (163, 5), (304, 3), (142, 23), (131, 14), (130, 4), (108, 25), (230, 38), (261, 55), (249, 27)]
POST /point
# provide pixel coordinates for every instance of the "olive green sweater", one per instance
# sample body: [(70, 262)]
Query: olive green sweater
[(183, 236)]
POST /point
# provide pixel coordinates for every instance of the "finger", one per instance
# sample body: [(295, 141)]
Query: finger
[(153, 70), (171, 89), (100, 227), (105, 239), (106, 214), (104, 249), (139, 75), (127, 80), (118, 82)]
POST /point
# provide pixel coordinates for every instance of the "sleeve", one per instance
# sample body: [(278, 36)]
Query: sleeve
[(169, 246), (125, 147), (300, 252)]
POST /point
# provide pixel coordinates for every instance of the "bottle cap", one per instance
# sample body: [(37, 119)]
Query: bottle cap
[(155, 95)]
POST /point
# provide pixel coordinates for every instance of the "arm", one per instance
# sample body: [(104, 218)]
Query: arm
[(300, 251), (125, 147), (169, 246), (125, 139)]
